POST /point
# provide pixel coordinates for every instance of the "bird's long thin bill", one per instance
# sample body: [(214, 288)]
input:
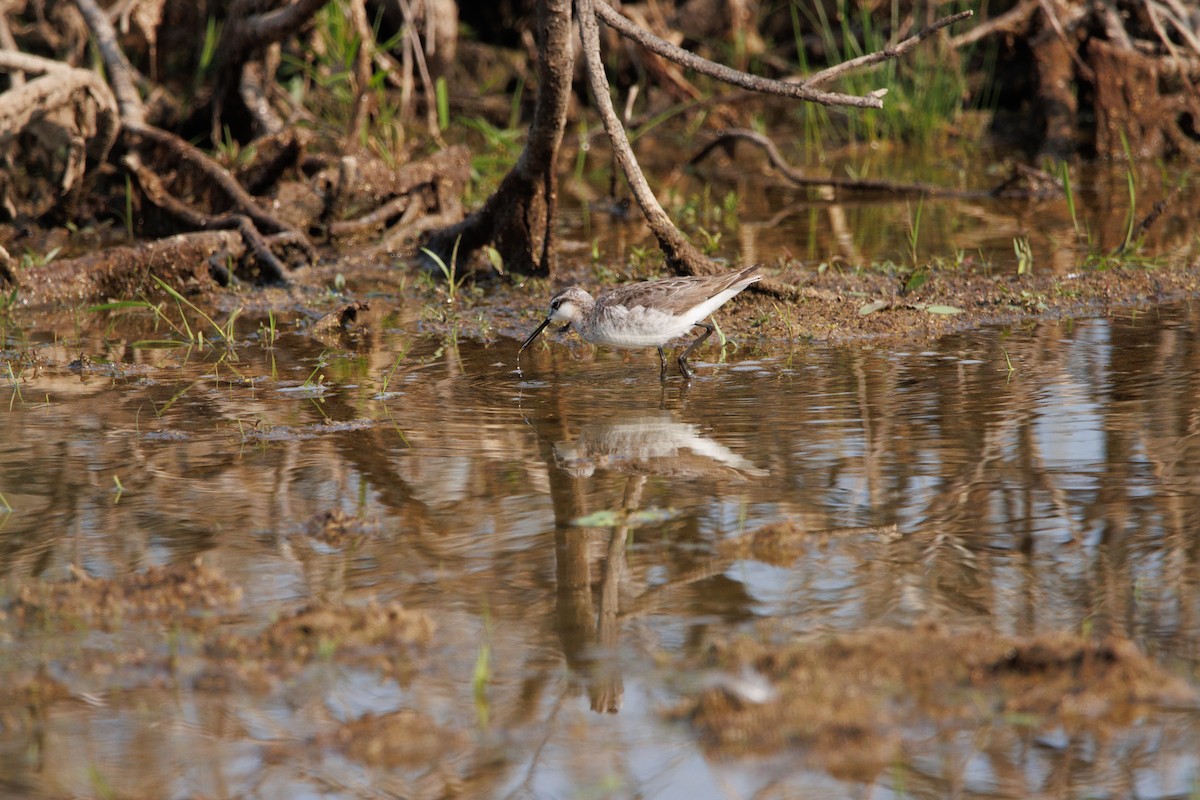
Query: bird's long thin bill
[(534, 335)]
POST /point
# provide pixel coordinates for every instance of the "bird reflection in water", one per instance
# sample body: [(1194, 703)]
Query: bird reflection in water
[(640, 446), (652, 444)]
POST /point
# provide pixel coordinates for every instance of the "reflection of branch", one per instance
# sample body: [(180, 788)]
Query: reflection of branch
[(1139, 231), (727, 138)]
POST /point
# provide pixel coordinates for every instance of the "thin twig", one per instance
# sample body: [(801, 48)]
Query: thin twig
[(418, 51), (362, 73), (799, 91), (1010, 21), (886, 54), (16, 79), (1140, 229)]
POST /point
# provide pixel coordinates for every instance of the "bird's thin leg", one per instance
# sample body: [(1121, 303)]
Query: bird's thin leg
[(683, 357), (662, 362)]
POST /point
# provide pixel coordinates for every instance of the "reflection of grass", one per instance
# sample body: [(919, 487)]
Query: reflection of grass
[(387, 376), (224, 332)]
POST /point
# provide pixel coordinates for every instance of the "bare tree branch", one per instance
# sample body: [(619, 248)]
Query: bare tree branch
[(678, 250), (1010, 21), (798, 91), (886, 54), (120, 71), (8, 43), (362, 73), (418, 57)]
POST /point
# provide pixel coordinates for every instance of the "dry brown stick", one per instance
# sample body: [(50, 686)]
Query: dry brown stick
[(244, 35), (800, 90), (677, 249), (355, 128), (1177, 16), (886, 54), (654, 44), (374, 220), (776, 159), (20, 104), (255, 94), (120, 71), (1114, 26), (1140, 230), (16, 78), (1010, 21), (418, 54)]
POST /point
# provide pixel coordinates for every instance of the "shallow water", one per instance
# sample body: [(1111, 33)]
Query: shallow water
[(1028, 480)]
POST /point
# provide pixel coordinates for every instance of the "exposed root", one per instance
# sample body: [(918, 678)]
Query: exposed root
[(70, 113)]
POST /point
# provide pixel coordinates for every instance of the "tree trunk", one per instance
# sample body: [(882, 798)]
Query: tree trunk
[(518, 220)]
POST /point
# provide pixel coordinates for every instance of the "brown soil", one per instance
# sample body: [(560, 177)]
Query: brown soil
[(833, 307), (847, 699), (836, 307), (176, 593)]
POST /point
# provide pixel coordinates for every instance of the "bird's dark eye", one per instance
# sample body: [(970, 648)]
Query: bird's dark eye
[(554, 304)]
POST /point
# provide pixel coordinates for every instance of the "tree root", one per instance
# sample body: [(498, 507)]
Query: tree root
[(519, 218), (70, 113)]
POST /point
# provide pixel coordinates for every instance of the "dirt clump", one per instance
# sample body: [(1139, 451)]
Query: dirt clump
[(373, 636), (849, 699), (174, 592), (402, 738), (313, 629)]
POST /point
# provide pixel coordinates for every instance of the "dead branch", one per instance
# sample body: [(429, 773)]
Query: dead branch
[(415, 51), (16, 78), (1015, 20), (1139, 231), (60, 86), (244, 36), (429, 187), (362, 74), (255, 92), (886, 54), (798, 91), (680, 254), (70, 114)]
